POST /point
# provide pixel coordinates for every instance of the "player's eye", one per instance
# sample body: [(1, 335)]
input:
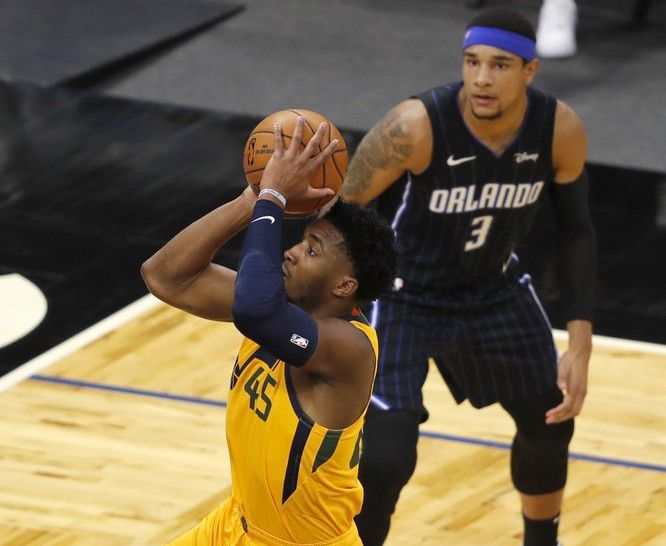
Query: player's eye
[(311, 251), (502, 66)]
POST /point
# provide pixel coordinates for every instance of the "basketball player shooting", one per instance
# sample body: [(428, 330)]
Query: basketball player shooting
[(478, 156), (303, 377)]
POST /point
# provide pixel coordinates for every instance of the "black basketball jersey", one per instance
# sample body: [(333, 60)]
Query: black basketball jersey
[(460, 219)]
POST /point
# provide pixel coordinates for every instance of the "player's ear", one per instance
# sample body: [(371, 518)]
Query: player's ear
[(530, 70), (346, 287)]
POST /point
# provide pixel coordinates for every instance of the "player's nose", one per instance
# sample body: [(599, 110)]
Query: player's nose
[(290, 255), (482, 78)]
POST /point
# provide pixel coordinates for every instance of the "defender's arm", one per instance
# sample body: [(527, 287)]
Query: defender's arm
[(576, 258), (400, 142), (577, 247)]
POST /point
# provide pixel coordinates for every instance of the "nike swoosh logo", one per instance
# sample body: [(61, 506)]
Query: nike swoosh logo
[(453, 162), (271, 218)]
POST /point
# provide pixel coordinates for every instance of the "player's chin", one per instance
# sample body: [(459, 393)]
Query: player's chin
[(486, 112), (289, 289)]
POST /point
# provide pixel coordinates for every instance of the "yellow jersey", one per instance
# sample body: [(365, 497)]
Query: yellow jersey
[(292, 479), (294, 482)]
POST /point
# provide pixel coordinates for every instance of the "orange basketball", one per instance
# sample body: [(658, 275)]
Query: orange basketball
[(259, 148)]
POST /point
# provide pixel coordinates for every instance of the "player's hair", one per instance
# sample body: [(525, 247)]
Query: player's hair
[(370, 246), (504, 19)]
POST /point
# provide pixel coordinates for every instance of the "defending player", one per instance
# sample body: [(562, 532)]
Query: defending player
[(478, 156), (303, 377)]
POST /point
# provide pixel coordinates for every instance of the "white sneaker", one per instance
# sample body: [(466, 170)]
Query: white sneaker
[(556, 33)]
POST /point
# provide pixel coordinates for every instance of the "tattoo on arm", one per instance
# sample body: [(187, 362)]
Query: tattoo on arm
[(386, 145)]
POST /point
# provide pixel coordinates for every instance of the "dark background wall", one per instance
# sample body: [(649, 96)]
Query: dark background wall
[(99, 171)]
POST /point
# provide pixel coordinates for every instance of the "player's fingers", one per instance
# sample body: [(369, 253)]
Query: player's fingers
[(326, 152), (562, 407), (318, 193), (560, 413), (297, 135), (314, 146), (277, 138)]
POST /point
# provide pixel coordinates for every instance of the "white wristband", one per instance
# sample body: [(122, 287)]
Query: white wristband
[(274, 193)]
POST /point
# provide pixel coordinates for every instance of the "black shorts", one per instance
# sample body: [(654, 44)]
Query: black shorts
[(490, 344)]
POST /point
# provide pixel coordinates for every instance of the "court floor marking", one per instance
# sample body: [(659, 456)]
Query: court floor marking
[(427, 434), (148, 302), (78, 341)]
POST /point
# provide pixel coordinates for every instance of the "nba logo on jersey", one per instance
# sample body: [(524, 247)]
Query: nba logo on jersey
[(300, 341)]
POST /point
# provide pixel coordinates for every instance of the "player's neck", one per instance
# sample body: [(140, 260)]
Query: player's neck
[(497, 131), (330, 309)]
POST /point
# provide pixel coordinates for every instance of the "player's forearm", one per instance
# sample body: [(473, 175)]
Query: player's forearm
[(577, 272), (577, 253), (358, 184), (260, 310), (365, 182), (185, 256), (580, 337)]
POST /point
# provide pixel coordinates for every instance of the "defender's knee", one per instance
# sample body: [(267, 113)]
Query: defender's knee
[(539, 458)]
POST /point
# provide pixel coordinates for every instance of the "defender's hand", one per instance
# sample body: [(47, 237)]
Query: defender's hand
[(290, 171), (572, 381)]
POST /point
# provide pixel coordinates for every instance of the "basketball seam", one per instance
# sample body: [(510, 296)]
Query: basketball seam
[(306, 122), (323, 167), (319, 146), (336, 165), (254, 170), (270, 133)]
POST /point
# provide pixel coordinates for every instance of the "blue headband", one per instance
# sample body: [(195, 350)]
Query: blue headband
[(502, 39)]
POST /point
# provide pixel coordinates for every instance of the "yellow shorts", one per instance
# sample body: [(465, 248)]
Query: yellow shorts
[(227, 526)]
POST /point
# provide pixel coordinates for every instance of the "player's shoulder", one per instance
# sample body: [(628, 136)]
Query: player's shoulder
[(411, 114), (567, 123), (414, 110), (348, 337), (569, 143)]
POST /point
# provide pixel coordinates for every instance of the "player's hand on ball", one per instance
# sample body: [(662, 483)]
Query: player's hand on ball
[(290, 171)]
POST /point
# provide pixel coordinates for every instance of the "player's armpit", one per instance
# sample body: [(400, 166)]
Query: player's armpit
[(400, 142), (569, 145)]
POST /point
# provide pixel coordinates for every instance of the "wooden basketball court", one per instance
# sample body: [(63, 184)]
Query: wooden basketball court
[(122, 442)]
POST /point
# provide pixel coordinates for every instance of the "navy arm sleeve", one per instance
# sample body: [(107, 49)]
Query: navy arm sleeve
[(577, 249), (261, 310)]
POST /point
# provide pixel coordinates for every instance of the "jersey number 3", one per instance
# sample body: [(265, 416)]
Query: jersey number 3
[(479, 234)]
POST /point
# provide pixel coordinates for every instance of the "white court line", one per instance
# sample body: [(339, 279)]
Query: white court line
[(78, 341), (149, 301)]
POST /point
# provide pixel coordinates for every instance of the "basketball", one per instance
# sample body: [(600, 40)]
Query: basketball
[(259, 148)]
